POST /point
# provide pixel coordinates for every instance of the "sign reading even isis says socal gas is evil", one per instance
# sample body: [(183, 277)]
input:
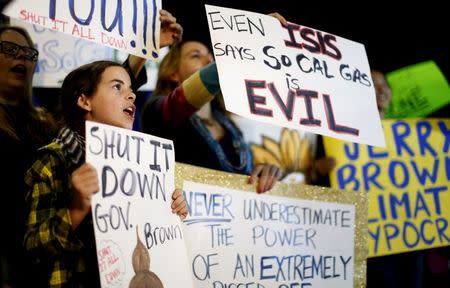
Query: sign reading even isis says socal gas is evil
[(294, 76), (138, 239), (128, 25), (407, 184), (242, 239)]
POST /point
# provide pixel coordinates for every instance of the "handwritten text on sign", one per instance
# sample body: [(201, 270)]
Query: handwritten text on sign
[(241, 239), (294, 76), (60, 53), (128, 25), (131, 212), (408, 184)]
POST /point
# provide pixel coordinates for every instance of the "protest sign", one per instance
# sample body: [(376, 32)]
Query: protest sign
[(59, 54), (417, 90), (294, 76), (245, 239), (137, 236), (407, 184), (128, 25)]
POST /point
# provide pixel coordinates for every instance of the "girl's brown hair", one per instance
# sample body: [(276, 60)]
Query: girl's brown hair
[(83, 80)]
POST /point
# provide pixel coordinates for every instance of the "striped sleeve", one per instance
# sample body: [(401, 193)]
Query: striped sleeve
[(202, 86), (199, 89)]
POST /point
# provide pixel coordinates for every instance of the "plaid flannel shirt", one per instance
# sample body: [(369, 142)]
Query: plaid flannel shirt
[(49, 237)]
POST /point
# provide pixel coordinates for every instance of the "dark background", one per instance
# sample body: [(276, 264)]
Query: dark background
[(393, 37)]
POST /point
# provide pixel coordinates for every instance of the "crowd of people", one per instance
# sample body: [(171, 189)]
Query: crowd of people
[(50, 242), (52, 205)]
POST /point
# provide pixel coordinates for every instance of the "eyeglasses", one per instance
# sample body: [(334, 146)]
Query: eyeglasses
[(13, 49)]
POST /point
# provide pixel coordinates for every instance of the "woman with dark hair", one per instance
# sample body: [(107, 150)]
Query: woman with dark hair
[(187, 109), (23, 129), (60, 235)]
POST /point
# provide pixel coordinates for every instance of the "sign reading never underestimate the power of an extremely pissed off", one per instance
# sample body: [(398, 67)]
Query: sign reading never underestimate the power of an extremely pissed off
[(265, 241), (137, 236), (407, 184), (243, 239), (294, 76), (129, 25)]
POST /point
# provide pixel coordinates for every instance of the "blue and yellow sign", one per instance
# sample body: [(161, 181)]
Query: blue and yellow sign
[(407, 184)]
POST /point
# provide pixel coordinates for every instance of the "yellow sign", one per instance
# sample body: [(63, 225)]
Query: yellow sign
[(407, 184)]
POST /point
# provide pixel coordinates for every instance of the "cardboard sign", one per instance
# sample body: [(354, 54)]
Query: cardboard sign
[(407, 184), (128, 25), (137, 236), (294, 76)]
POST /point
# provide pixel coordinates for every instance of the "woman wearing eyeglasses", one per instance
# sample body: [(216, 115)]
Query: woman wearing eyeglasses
[(23, 129)]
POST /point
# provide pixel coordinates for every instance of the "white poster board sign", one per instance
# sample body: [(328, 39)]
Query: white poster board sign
[(60, 53), (242, 239), (128, 25), (137, 236), (294, 76)]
